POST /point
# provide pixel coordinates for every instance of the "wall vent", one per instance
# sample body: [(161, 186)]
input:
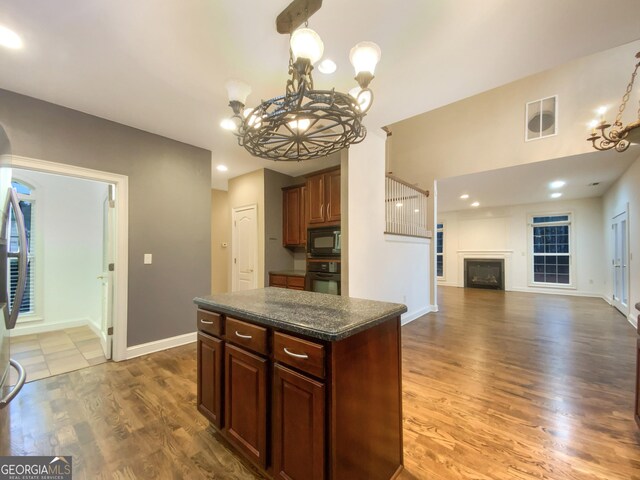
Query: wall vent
[(541, 118)]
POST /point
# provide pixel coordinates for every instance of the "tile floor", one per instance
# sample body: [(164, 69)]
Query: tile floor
[(46, 354)]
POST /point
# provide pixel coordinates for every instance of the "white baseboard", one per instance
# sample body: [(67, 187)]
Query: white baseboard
[(158, 345), (447, 284), (411, 316), (41, 326), (633, 320), (569, 292)]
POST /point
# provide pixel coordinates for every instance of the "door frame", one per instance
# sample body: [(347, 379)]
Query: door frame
[(627, 279), (234, 245), (121, 261)]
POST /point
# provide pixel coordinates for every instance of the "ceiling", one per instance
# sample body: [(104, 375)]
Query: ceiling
[(161, 65), (530, 183)]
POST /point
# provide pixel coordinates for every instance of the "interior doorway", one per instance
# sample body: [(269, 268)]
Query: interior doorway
[(620, 262), (244, 248), (61, 326)]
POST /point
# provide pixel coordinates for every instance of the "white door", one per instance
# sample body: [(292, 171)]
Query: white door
[(245, 248), (620, 263), (108, 256)]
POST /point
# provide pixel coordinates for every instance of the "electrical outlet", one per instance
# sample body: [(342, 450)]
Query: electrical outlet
[(148, 259)]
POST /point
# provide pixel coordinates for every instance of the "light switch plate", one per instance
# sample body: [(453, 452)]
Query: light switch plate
[(147, 259)]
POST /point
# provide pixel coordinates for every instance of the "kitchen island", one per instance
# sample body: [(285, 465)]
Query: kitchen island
[(307, 386)]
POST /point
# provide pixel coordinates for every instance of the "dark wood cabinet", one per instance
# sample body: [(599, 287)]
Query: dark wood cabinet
[(298, 426), (293, 282), (323, 190), (246, 402), (210, 378), (294, 220), (293, 405)]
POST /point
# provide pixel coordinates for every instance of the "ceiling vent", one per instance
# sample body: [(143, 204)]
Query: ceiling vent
[(541, 118)]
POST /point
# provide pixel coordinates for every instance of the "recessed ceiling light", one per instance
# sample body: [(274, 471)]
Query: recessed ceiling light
[(228, 124), (9, 38), (327, 66), (556, 195), (557, 184), (222, 168), (464, 197), (475, 204)]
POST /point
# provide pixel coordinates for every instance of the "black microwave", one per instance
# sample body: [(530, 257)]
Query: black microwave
[(324, 242)]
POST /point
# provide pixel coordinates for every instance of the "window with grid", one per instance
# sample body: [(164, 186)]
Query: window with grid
[(26, 199), (440, 250), (551, 249)]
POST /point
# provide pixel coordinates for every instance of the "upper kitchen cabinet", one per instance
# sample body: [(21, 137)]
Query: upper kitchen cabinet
[(294, 221), (323, 191)]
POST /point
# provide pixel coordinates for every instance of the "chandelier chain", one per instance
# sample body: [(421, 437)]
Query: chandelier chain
[(625, 97)]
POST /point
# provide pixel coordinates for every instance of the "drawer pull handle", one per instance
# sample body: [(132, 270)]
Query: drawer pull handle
[(243, 336), (296, 355), (206, 322)]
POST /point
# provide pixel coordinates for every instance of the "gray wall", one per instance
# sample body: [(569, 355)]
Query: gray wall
[(169, 204), (276, 257)]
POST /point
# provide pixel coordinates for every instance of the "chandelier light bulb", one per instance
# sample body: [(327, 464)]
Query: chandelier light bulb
[(327, 66), (364, 57), (602, 111), (238, 91), (305, 43), (300, 125), (228, 124)]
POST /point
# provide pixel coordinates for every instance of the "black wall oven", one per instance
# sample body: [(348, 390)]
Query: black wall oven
[(324, 242), (323, 277)]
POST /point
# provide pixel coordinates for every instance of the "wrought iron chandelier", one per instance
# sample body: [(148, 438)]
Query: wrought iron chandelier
[(619, 136), (304, 123)]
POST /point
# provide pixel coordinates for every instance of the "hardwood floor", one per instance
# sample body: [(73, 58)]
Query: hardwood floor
[(519, 386), (496, 386)]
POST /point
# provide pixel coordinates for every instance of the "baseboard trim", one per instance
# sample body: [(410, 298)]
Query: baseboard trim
[(572, 293), (29, 329), (633, 320), (411, 316), (158, 345)]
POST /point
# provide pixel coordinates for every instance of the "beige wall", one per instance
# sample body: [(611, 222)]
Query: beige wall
[(245, 190), (220, 234), (486, 131), (624, 195)]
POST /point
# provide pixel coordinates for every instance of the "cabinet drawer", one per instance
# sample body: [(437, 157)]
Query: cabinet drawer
[(295, 282), (209, 322), (277, 281), (248, 335), (298, 353)]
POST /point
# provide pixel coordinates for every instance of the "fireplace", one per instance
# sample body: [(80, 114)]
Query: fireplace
[(484, 273)]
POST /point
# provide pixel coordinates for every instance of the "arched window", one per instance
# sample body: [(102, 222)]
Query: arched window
[(27, 198)]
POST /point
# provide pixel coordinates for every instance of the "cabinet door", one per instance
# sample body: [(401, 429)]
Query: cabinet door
[(210, 378), (291, 217), (298, 426), (246, 403), (315, 192), (332, 181), (304, 213)]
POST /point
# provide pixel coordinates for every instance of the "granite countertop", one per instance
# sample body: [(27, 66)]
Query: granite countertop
[(318, 315), (289, 273)]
